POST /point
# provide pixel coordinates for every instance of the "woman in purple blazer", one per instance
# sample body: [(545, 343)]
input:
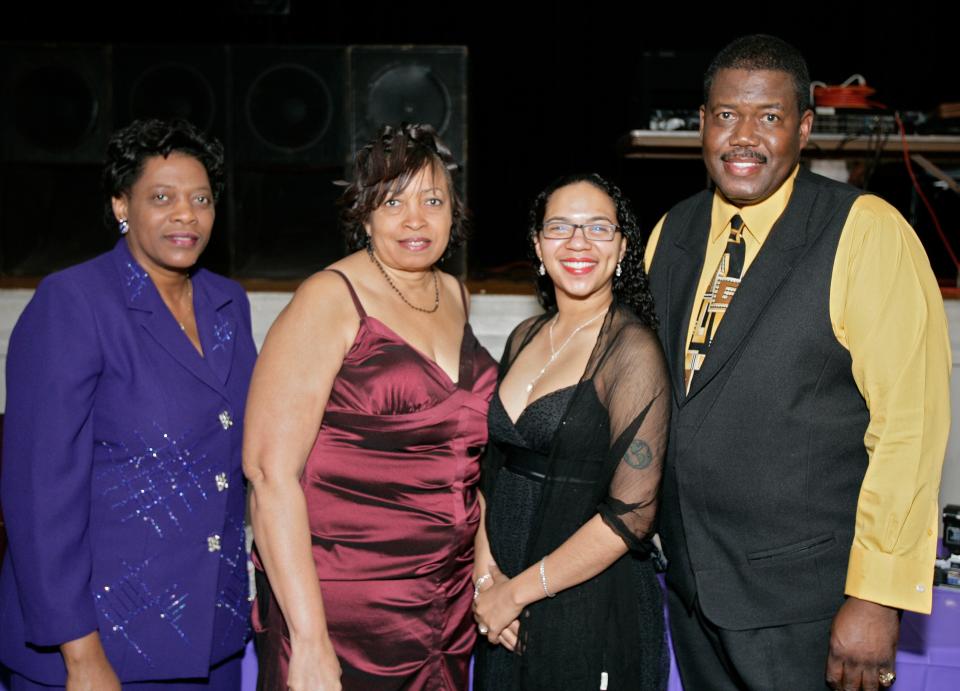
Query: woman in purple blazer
[(126, 382)]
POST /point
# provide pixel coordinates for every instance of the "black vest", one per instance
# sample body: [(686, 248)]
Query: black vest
[(766, 453)]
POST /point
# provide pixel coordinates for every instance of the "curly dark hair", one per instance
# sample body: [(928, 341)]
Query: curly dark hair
[(130, 147), (762, 52), (384, 166), (631, 288)]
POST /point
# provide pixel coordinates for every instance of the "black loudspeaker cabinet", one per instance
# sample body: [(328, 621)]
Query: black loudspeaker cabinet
[(290, 106), (290, 118), (57, 117), (424, 84), (58, 103), (188, 82), (172, 81), (287, 221), (291, 143)]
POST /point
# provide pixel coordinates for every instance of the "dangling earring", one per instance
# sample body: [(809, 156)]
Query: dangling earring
[(619, 271), (124, 226), (542, 270)]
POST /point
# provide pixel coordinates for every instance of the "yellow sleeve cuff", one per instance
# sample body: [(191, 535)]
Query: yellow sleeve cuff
[(890, 580)]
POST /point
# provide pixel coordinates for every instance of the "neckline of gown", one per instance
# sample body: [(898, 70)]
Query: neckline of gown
[(531, 404), (530, 336), (365, 319)]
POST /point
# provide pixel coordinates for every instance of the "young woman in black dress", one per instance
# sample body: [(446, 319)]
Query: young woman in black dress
[(566, 593)]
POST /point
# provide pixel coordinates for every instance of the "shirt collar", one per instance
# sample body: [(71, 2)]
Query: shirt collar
[(759, 218)]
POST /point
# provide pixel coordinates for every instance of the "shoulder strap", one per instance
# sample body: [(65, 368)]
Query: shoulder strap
[(463, 298), (353, 294)]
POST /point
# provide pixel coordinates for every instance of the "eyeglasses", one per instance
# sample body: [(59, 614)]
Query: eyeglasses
[(594, 232)]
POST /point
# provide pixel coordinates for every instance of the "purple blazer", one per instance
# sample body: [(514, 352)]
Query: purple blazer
[(121, 486)]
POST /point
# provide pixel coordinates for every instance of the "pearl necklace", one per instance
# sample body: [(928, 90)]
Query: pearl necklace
[(555, 353)]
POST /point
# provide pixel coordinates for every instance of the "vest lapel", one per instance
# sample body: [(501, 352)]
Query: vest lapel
[(779, 256), (683, 274)]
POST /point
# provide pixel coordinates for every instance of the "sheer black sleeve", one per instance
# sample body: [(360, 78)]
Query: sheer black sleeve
[(633, 383)]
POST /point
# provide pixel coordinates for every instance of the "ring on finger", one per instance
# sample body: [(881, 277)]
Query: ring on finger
[(886, 678)]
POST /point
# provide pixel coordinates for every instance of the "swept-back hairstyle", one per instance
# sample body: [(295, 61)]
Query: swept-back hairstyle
[(762, 52), (384, 166), (631, 288), (130, 147)]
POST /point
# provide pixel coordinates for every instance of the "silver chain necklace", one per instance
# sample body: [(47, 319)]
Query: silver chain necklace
[(555, 353)]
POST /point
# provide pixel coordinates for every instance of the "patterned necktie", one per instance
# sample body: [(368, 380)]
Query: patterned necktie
[(715, 301)]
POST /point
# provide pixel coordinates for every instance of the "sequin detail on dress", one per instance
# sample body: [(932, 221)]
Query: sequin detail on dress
[(234, 596), (129, 598), (136, 279), (155, 485), (222, 332)]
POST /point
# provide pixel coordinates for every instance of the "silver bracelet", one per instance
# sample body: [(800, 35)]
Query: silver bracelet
[(543, 580), (480, 581)]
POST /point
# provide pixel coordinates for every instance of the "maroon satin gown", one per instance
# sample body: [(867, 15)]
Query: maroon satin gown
[(391, 489)]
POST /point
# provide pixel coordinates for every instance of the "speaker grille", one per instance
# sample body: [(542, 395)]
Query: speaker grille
[(408, 93), (173, 90)]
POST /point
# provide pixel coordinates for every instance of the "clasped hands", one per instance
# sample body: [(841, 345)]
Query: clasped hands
[(495, 608)]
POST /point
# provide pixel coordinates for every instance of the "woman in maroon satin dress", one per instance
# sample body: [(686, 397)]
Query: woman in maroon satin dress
[(366, 419)]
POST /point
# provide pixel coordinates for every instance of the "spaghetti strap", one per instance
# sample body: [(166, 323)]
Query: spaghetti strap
[(353, 294), (463, 297)]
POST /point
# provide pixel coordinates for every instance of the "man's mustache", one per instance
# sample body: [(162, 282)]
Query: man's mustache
[(741, 154)]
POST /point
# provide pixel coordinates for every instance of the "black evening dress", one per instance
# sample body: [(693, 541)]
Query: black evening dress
[(571, 454)]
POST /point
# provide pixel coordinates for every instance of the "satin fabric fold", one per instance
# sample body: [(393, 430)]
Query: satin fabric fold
[(391, 488)]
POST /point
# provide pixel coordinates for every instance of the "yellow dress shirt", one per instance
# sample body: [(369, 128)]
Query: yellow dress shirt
[(887, 311)]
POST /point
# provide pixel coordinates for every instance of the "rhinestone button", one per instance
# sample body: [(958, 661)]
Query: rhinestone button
[(225, 420), (213, 543), (222, 483)]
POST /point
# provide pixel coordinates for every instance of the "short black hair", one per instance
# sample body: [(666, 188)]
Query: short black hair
[(631, 288), (387, 164), (762, 52), (130, 147)]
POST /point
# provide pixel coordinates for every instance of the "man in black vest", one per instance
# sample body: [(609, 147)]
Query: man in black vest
[(809, 358)]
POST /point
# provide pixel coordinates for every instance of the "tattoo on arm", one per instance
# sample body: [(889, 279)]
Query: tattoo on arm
[(638, 454)]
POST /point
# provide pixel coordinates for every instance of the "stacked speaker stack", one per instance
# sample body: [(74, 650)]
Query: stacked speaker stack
[(290, 117)]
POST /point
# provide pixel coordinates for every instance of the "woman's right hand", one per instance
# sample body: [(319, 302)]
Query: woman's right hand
[(87, 666), (291, 383), (314, 668), (484, 579)]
